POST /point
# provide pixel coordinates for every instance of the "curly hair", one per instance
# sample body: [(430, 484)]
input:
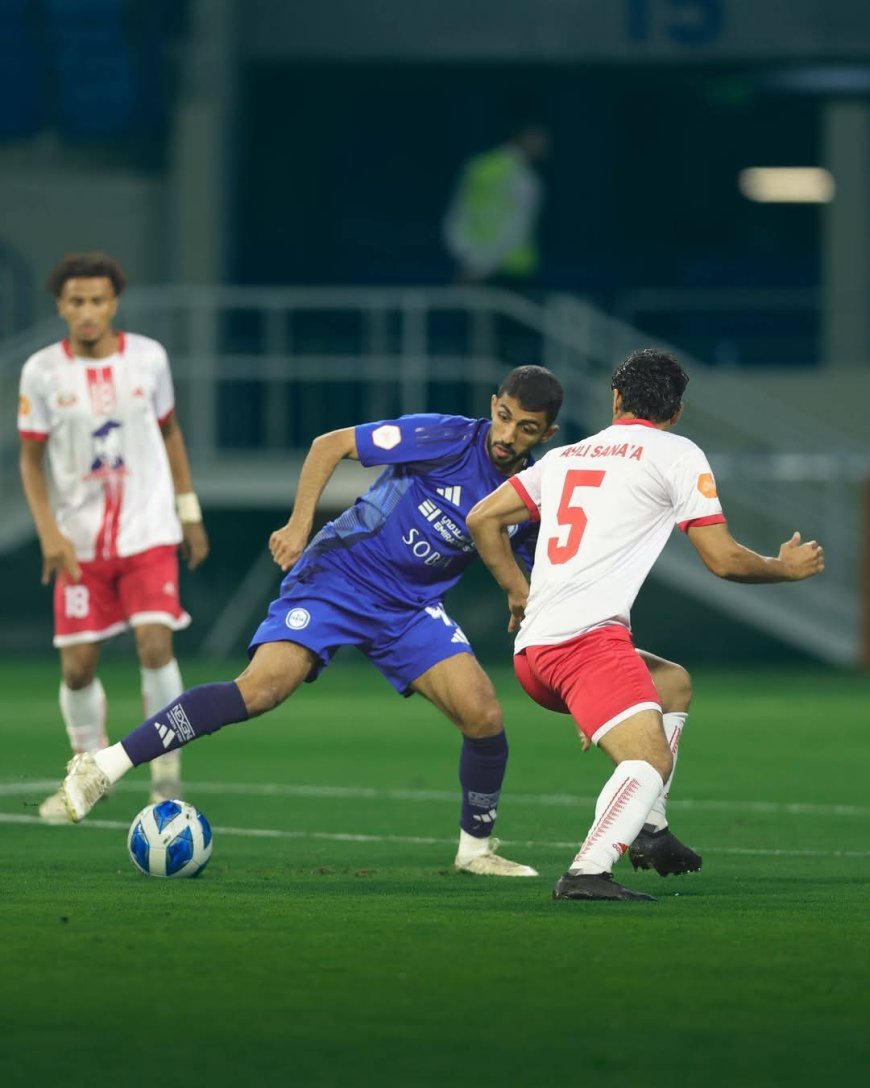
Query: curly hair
[(86, 265), (651, 384), (535, 388)]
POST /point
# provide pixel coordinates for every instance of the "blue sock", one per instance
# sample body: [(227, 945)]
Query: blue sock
[(481, 772), (195, 713)]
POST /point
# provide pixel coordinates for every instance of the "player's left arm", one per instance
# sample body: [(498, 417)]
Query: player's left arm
[(728, 558), (487, 522), (194, 545)]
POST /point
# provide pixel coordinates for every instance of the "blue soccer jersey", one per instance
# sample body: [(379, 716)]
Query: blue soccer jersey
[(406, 539)]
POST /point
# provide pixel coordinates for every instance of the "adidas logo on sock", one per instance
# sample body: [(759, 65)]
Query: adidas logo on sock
[(167, 735)]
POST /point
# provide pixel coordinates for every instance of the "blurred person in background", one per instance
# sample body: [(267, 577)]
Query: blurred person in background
[(491, 222), (111, 502), (606, 507)]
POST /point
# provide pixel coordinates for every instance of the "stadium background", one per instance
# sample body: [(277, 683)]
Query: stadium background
[(273, 177), (274, 181)]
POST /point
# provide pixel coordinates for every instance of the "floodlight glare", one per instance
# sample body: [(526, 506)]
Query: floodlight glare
[(787, 184)]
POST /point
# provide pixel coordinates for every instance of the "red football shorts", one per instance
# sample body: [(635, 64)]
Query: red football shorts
[(598, 678), (114, 594)]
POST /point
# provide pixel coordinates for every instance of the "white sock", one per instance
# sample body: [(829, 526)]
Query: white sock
[(470, 846), (159, 688), (623, 806), (84, 715), (113, 762), (674, 722)]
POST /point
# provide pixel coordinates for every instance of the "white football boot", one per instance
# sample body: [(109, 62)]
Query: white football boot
[(83, 786), (166, 778), (53, 810), (486, 862)]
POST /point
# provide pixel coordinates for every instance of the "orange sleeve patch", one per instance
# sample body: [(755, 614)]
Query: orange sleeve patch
[(23, 406), (707, 486)]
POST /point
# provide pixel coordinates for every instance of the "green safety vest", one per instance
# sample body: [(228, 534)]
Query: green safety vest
[(486, 201)]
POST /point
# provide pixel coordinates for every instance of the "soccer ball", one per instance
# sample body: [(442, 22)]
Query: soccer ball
[(170, 839)]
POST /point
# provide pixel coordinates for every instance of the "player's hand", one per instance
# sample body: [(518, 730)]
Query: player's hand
[(287, 545), (517, 606), (801, 560), (585, 743), (194, 546), (59, 557)]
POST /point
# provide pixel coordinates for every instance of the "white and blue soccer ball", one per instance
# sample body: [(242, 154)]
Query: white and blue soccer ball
[(171, 838)]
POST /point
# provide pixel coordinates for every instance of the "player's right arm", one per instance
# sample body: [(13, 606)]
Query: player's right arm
[(487, 522), (729, 559), (327, 450), (57, 551)]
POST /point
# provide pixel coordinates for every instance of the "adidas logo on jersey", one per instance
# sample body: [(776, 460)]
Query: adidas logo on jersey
[(451, 494)]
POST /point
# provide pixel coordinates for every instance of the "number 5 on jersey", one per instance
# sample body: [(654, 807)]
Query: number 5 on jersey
[(574, 517)]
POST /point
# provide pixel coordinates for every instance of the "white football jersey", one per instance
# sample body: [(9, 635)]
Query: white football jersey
[(108, 472), (607, 506)]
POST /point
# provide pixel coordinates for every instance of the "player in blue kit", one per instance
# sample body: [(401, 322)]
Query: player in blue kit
[(375, 578)]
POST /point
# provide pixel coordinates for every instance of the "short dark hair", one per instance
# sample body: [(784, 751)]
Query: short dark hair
[(535, 388), (651, 383), (87, 265)]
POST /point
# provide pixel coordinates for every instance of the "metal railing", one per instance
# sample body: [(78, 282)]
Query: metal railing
[(260, 371)]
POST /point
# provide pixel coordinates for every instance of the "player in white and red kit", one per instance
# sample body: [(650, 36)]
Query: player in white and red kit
[(103, 466), (607, 506)]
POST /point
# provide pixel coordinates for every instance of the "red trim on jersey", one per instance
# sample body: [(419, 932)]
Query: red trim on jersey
[(70, 354), (106, 546), (163, 419), (692, 523), (101, 389), (633, 423), (34, 436), (534, 512)]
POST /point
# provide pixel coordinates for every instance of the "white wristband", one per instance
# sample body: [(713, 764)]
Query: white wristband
[(187, 506)]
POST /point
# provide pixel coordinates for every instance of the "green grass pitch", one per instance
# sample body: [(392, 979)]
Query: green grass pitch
[(330, 943)]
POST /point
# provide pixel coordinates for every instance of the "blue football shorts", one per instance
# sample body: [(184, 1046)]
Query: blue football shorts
[(326, 612)]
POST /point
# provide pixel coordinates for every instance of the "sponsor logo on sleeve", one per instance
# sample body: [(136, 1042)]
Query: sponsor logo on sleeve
[(707, 485), (387, 436)]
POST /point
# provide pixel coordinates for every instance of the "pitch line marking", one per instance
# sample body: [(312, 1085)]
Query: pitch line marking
[(417, 840), (364, 793)]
